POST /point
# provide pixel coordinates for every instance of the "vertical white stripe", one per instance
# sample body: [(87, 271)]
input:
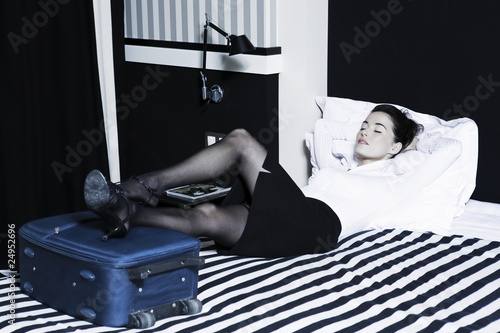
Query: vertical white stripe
[(156, 20), (207, 10), (201, 14), (214, 35), (133, 16), (227, 18), (166, 16), (146, 19), (178, 15), (104, 43), (273, 30), (190, 18), (218, 39), (241, 19), (144, 25), (271, 21), (267, 23), (253, 22)]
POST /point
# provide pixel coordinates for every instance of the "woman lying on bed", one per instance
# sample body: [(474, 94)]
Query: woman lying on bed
[(278, 218)]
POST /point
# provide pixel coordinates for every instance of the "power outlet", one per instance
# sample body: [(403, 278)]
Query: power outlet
[(212, 137)]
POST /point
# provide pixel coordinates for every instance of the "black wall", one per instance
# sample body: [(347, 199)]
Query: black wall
[(162, 118), (438, 57), (51, 115)]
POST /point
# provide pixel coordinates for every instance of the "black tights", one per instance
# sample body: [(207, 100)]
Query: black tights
[(238, 153)]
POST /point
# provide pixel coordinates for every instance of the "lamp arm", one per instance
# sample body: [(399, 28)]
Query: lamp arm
[(219, 30), (208, 22), (204, 93), (216, 93), (205, 47)]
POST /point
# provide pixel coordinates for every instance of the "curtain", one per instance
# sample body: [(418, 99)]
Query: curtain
[(51, 125)]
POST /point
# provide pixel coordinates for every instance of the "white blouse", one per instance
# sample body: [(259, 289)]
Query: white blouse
[(359, 195)]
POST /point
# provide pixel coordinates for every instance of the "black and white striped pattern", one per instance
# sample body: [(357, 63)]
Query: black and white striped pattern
[(376, 281), (183, 20)]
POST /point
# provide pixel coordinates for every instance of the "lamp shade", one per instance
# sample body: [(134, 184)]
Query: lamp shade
[(239, 44)]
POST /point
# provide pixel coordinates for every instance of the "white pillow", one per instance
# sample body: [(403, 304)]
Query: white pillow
[(443, 199)]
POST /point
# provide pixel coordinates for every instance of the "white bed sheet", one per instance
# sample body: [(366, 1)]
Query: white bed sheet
[(480, 220)]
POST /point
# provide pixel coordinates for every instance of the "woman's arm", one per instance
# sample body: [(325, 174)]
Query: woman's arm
[(416, 169), (325, 132)]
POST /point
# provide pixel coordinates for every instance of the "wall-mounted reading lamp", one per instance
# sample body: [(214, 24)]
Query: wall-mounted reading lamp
[(236, 45)]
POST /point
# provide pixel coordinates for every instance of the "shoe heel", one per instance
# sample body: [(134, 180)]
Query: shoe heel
[(118, 232), (96, 191), (100, 196)]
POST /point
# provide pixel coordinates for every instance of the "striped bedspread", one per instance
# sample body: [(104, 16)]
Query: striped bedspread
[(375, 281)]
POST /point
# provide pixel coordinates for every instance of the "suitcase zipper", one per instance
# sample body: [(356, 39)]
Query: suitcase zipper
[(89, 258)]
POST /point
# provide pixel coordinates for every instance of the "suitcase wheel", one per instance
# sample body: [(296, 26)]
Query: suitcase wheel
[(194, 306), (147, 318), (143, 320)]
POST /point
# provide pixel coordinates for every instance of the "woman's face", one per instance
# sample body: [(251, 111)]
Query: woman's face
[(375, 139)]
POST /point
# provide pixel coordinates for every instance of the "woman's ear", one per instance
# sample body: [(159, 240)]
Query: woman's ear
[(396, 148)]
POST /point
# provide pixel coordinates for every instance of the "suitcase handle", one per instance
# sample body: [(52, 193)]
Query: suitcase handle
[(143, 272)]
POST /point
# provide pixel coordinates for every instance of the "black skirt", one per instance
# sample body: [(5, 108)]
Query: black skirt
[(282, 221)]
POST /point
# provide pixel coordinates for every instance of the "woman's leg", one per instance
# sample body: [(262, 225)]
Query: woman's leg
[(224, 224), (238, 153)]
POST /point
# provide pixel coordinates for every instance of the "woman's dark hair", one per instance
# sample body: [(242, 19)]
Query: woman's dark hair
[(405, 129)]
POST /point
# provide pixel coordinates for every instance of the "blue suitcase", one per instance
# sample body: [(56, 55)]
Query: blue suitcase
[(150, 274)]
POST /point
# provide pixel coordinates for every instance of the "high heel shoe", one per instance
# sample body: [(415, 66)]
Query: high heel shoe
[(102, 195), (152, 191)]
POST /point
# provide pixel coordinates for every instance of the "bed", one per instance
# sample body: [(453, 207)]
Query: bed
[(382, 279)]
